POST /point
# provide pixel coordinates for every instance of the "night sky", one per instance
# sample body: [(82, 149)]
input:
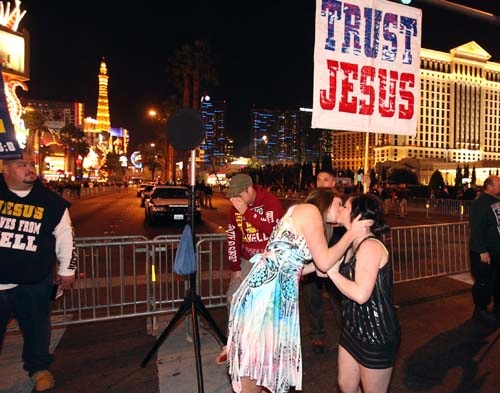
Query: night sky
[(265, 49)]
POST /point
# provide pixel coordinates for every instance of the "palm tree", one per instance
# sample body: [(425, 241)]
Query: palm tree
[(112, 167), (436, 181), (190, 66), (75, 145), (35, 123), (168, 107), (151, 157)]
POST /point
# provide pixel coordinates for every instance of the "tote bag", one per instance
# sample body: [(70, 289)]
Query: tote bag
[(185, 258)]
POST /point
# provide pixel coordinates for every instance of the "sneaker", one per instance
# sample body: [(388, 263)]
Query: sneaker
[(221, 358), (43, 380)]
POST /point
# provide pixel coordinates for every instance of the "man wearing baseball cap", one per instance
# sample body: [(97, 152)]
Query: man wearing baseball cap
[(252, 218), (37, 239)]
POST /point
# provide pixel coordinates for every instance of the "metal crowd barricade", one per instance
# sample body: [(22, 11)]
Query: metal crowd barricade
[(426, 251), (451, 207), (130, 276), (109, 281), (122, 277)]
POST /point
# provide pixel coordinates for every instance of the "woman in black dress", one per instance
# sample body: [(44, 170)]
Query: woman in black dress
[(371, 333)]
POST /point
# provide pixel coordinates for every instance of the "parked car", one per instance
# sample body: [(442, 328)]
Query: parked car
[(170, 204)]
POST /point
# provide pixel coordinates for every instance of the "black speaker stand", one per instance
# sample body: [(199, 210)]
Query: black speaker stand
[(192, 303)]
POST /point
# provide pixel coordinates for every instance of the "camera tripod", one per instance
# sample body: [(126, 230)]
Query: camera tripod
[(192, 304)]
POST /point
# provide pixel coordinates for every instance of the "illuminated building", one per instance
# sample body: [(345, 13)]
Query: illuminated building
[(103, 118), (459, 121), (101, 141), (216, 146), (99, 131), (275, 136), (101, 137), (57, 114), (14, 57), (314, 144)]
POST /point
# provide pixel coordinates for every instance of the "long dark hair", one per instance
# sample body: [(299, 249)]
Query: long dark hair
[(322, 198), (370, 207)]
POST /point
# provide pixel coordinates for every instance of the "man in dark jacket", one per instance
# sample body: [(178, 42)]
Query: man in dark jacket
[(36, 234), (484, 250), (313, 286)]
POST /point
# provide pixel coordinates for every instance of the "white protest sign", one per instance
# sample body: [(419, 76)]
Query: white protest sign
[(367, 66)]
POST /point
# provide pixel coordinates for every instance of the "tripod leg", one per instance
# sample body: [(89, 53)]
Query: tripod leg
[(200, 307), (197, 346), (181, 312)]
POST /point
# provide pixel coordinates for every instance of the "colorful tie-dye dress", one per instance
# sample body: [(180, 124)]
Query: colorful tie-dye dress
[(264, 330)]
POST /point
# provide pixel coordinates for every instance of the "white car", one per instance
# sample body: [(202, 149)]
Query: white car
[(169, 204)]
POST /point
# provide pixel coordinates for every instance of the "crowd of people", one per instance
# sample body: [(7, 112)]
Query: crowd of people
[(204, 193), (394, 198), (332, 242), (328, 242), (263, 349)]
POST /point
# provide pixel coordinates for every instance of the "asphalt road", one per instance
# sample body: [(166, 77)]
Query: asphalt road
[(119, 214)]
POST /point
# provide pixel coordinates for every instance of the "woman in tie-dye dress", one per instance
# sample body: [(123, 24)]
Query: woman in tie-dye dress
[(264, 350)]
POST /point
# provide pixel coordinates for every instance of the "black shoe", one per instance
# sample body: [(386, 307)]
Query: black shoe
[(486, 318)]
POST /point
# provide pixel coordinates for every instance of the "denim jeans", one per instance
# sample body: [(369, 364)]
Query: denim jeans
[(30, 305), (246, 266)]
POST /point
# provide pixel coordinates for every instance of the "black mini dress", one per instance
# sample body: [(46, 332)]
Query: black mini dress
[(371, 331)]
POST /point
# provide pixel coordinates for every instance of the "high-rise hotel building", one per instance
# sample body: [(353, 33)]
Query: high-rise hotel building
[(216, 149), (275, 136), (459, 120)]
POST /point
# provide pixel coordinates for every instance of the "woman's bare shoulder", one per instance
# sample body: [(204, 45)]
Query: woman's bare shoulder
[(305, 208), (305, 213)]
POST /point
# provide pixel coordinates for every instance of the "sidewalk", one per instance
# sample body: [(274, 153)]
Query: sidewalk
[(442, 351)]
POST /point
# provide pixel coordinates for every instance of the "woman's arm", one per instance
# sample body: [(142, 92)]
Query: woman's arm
[(308, 269), (308, 222), (370, 257)]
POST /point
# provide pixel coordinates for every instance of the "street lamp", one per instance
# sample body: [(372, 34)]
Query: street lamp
[(259, 143), (164, 146), (204, 98)]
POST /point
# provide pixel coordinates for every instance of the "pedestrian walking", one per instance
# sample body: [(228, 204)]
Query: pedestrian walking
[(403, 197)]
